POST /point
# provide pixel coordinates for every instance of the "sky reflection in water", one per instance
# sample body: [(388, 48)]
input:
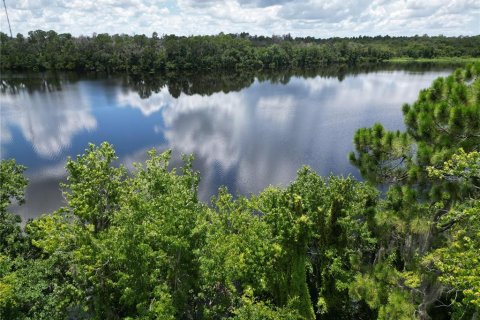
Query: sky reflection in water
[(245, 139)]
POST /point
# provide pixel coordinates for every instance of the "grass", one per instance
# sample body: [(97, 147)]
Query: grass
[(436, 60)]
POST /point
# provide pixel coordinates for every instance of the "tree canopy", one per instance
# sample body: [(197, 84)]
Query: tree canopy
[(48, 50)]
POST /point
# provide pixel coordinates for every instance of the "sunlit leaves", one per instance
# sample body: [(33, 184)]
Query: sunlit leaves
[(13, 183), (458, 263), (94, 186), (238, 253)]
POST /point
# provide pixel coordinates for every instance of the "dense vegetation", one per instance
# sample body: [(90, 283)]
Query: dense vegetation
[(42, 50), (431, 212), (140, 245)]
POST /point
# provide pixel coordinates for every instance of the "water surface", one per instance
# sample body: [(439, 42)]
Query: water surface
[(246, 131)]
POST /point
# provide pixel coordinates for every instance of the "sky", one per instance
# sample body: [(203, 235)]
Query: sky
[(317, 18)]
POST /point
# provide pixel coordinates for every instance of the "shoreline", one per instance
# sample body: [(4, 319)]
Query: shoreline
[(435, 60)]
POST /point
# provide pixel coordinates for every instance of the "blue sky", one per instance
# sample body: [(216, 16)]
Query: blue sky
[(318, 18)]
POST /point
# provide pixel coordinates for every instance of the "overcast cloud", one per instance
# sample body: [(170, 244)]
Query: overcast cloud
[(318, 18)]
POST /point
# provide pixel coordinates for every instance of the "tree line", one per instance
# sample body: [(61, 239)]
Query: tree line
[(48, 50), (403, 244)]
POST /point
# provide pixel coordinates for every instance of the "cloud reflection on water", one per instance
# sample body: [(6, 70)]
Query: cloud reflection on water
[(263, 134), (47, 120), (246, 139)]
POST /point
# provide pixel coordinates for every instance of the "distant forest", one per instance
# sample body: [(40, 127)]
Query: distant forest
[(48, 50)]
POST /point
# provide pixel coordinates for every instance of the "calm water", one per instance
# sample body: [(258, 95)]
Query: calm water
[(246, 132)]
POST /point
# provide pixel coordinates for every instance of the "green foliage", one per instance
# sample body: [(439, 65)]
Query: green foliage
[(291, 229), (341, 214), (237, 255), (31, 285), (397, 307), (35, 289), (154, 240), (253, 310), (430, 212), (383, 156), (123, 246), (142, 245), (458, 263), (13, 185), (94, 186), (381, 289), (462, 166), (47, 50)]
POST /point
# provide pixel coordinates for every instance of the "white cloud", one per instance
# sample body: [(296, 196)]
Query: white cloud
[(318, 18)]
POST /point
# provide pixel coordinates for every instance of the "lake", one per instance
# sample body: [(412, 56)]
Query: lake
[(247, 131)]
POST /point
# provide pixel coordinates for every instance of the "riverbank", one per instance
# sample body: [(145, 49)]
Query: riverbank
[(435, 60)]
